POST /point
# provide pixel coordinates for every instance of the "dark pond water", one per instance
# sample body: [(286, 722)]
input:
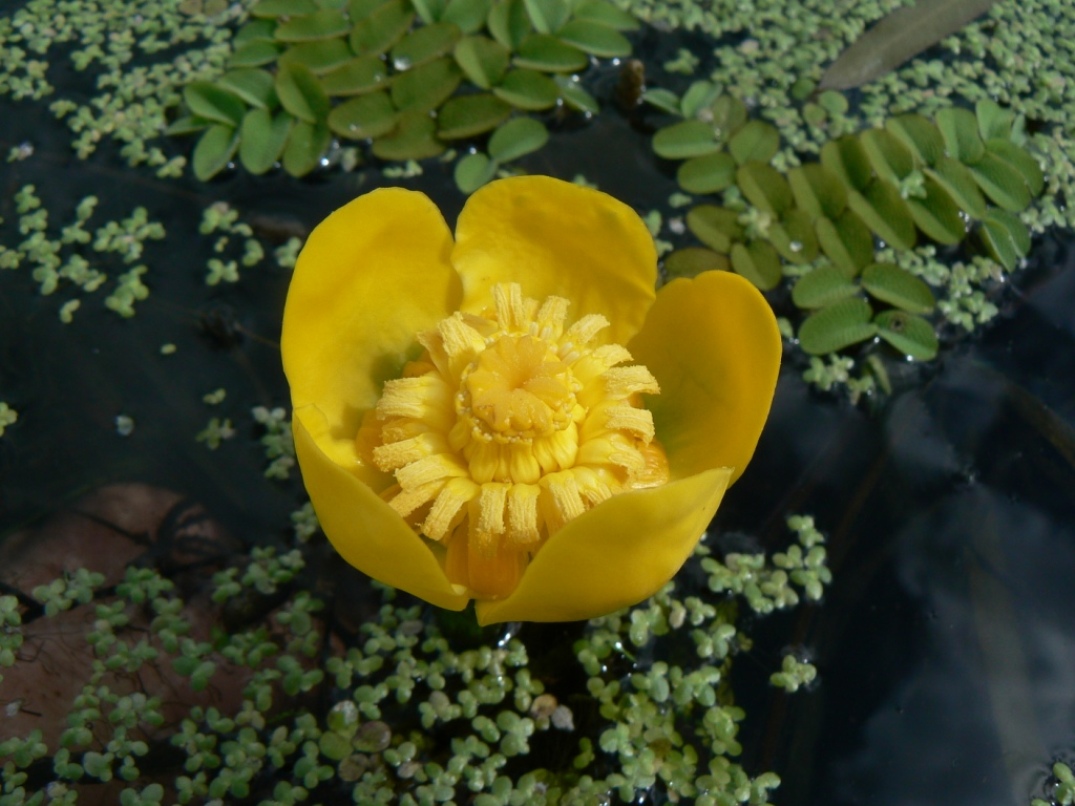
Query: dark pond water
[(946, 644)]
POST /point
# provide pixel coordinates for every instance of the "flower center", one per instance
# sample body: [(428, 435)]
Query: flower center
[(518, 389), (510, 426)]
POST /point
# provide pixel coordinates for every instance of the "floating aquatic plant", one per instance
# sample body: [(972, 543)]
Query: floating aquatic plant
[(1061, 786), (8, 416), (413, 77), (78, 257), (914, 179), (399, 712)]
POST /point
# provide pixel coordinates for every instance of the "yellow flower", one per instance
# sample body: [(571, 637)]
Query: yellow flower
[(515, 416)]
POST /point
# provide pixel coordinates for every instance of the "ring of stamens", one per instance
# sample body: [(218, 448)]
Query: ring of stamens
[(511, 425)]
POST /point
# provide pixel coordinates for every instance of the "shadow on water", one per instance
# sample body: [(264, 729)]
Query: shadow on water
[(945, 646)]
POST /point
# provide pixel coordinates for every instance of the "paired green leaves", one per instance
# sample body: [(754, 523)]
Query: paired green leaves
[(913, 178), (910, 180), (514, 139), (401, 73), (843, 318)]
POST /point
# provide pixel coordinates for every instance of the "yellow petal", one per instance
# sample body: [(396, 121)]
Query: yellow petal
[(370, 277), (713, 345), (617, 554), (557, 239), (367, 533)]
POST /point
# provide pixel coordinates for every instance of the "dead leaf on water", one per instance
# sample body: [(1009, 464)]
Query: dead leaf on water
[(900, 36)]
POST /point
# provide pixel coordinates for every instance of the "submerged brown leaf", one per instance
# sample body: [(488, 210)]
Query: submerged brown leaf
[(900, 36)]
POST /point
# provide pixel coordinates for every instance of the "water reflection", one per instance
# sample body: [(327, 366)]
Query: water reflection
[(946, 647)]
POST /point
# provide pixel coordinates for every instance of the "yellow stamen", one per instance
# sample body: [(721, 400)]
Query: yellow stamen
[(509, 427)]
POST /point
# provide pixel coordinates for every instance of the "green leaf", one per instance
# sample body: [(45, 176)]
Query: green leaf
[(318, 57), (834, 103), (306, 143), (381, 29), (470, 115), (692, 261), (594, 38), (1002, 183), (545, 52), (272, 9), (716, 227), (688, 138), (473, 171), (254, 31), (890, 158), (575, 96), (937, 215), (253, 86), (254, 54), (847, 159), (365, 116), (262, 139), (822, 286), (727, 115), (356, 77), (897, 287), (994, 121), (958, 182), (188, 124), (911, 335), (900, 36), (469, 15), (324, 24), (482, 60), (665, 100), (516, 138), (836, 326), (213, 102), (509, 23), (758, 262), (359, 10), (699, 96), (547, 15), (214, 151), (606, 14), (846, 241), (413, 139), (426, 87), (756, 140), (1021, 161), (300, 93), (817, 191), (764, 187), (1006, 237), (709, 174), (528, 89), (919, 135), (429, 11), (884, 211), (424, 44), (333, 746), (959, 128), (794, 238)]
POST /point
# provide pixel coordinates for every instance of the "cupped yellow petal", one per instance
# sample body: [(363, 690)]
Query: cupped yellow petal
[(714, 347), (617, 554), (371, 276), (367, 533), (557, 239)]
